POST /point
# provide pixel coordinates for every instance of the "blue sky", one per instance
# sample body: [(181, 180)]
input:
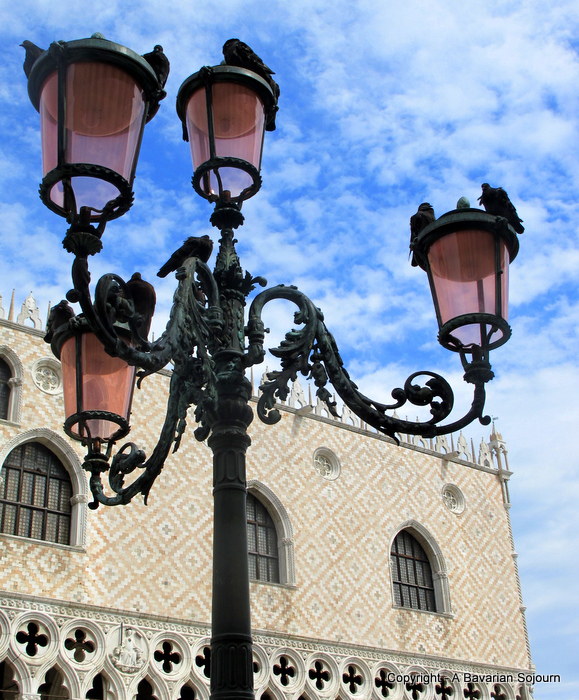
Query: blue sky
[(383, 106)]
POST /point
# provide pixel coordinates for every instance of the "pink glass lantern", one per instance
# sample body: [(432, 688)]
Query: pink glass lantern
[(94, 97), (224, 111), (98, 388), (466, 254)]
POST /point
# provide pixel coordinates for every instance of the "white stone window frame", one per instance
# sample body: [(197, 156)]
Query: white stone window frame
[(453, 498), (363, 670), (181, 671), (52, 364), (331, 458), (71, 462), (15, 384), (70, 680), (283, 528), (114, 687), (437, 566)]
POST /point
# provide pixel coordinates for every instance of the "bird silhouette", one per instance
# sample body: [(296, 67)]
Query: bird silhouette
[(193, 247), (496, 202), (58, 316), (144, 298), (238, 53), (418, 222), (159, 63), (32, 53)]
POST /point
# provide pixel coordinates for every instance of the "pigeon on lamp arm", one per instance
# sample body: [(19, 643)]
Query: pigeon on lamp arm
[(193, 247), (144, 299)]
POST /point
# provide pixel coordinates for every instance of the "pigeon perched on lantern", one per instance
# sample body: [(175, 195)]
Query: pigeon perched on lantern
[(32, 53), (496, 201), (59, 315), (159, 63), (418, 222), (238, 53)]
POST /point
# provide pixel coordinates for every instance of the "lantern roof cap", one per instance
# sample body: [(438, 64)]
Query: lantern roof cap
[(99, 49), (465, 218), (223, 74)]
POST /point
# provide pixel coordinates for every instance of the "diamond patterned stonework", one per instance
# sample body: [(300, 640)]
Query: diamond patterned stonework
[(130, 596)]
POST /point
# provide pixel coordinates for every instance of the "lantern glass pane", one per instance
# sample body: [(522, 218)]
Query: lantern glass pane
[(464, 276), (238, 124), (105, 112), (107, 385)]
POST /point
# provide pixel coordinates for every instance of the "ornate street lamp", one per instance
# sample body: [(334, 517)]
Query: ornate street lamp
[(224, 110)]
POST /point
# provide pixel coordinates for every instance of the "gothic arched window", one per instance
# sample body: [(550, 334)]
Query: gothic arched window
[(11, 374), (411, 574), (53, 686), (9, 689), (5, 376), (97, 691), (262, 542), (145, 691), (35, 495)]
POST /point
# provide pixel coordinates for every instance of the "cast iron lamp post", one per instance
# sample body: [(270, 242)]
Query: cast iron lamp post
[(94, 98)]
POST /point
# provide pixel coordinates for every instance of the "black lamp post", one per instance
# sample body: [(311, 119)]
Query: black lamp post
[(94, 98)]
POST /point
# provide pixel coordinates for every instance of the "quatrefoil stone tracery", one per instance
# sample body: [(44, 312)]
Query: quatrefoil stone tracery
[(326, 464), (453, 499), (81, 648), (47, 376), (33, 639)]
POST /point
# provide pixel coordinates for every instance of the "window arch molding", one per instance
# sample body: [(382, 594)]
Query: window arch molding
[(20, 673), (114, 687), (201, 692), (15, 383), (436, 560), (159, 688), (283, 526), (68, 678), (71, 462)]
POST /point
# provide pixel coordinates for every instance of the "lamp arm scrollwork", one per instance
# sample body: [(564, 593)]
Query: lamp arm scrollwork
[(193, 329), (191, 324), (203, 321), (190, 385), (312, 351)]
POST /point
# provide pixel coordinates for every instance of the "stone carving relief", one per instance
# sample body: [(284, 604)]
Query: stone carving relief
[(130, 654)]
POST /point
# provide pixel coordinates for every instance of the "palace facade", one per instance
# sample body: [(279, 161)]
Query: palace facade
[(378, 571)]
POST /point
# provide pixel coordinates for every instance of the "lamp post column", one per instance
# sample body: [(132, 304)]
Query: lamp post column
[(231, 643)]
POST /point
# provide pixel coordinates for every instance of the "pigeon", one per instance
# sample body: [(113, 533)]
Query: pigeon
[(144, 298), (32, 53), (193, 247), (159, 63), (58, 316), (238, 53), (496, 202), (419, 221)]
